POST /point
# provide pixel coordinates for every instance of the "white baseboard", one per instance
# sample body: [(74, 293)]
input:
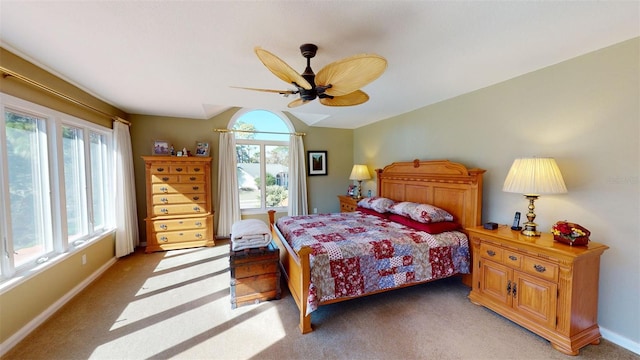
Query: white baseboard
[(620, 340), (40, 319)]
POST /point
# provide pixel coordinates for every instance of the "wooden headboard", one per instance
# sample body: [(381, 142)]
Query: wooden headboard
[(442, 183)]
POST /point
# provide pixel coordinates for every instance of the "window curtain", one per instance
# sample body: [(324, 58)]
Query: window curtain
[(228, 196), (126, 214), (297, 177)]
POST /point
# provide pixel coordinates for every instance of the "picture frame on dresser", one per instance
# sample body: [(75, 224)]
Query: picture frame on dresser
[(202, 148), (160, 147), (317, 162)]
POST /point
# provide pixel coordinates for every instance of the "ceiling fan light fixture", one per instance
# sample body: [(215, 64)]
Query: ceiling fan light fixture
[(336, 84)]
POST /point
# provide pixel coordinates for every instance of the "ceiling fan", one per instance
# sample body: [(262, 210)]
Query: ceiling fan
[(337, 84)]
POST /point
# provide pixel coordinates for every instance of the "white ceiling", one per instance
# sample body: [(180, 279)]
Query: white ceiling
[(180, 58)]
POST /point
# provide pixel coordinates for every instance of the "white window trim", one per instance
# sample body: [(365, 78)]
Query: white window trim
[(62, 247)]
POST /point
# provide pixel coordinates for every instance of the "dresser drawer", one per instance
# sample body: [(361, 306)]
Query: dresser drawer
[(181, 224), (493, 252), (512, 259), (195, 169), (191, 178), (178, 209), (164, 178), (165, 199), (167, 237), (163, 188), (540, 268)]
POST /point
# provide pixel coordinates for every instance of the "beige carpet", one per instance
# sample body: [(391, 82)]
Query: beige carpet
[(176, 305)]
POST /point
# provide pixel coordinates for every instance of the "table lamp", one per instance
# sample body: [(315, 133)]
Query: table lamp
[(532, 177), (359, 173)]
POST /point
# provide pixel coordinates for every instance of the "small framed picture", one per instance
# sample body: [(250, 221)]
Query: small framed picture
[(160, 147), (317, 162), (202, 148)]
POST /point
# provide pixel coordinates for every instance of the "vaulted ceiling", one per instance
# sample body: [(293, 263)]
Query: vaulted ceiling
[(182, 58)]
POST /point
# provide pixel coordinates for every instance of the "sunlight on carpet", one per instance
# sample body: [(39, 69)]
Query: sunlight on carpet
[(184, 285)]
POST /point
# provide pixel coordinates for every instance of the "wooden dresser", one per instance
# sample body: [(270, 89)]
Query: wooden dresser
[(347, 203), (545, 286), (179, 210)]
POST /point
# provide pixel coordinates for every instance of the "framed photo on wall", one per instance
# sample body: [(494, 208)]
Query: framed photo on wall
[(317, 161), (160, 147)]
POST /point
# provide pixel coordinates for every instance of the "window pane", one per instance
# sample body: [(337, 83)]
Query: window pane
[(277, 169), (248, 157), (29, 201), (74, 182), (98, 153), (263, 121)]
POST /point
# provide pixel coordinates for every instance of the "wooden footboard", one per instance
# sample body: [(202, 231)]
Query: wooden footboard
[(296, 269)]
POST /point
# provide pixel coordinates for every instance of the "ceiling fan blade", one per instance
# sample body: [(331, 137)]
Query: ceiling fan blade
[(281, 69), (298, 102), (350, 74), (282, 92), (355, 98)]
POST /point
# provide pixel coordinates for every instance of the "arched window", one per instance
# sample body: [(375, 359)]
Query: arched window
[(262, 154)]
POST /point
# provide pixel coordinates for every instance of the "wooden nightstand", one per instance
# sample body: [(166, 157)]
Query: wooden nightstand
[(545, 286), (347, 203)]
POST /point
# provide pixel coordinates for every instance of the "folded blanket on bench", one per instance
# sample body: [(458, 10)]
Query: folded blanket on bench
[(249, 233)]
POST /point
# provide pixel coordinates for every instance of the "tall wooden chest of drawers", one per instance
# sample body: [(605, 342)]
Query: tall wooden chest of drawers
[(255, 275), (179, 210), (548, 287)]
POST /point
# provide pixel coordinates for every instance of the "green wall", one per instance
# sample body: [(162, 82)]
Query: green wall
[(182, 132), (585, 112), (24, 299)]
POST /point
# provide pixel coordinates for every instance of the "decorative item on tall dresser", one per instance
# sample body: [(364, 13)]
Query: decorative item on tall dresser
[(179, 211), (359, 173), (532, 177), (570, 233), (202, 148)]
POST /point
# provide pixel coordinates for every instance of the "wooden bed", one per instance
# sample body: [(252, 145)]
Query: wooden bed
[(447, 185)]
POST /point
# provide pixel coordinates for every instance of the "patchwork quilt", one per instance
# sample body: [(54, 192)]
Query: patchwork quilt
[(355, 253)]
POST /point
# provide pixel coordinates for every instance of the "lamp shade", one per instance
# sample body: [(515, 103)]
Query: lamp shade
[(359, 172), (534, 176)]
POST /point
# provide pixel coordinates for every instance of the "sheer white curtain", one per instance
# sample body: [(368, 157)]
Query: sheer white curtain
[(228, 197), (126, 215), (297, 177)]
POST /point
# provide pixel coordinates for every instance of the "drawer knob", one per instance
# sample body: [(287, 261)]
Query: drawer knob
[(198, 223), (193, 178), (196, 208), (164, 200), (163, 227), (159, 169), (179, 169), (491, 253), (196, 169), (512, 258), (165, 178), (164, 210), (164, 238), (199, 235), (196, 198), (164, 189), (539, 268), (196, 187)]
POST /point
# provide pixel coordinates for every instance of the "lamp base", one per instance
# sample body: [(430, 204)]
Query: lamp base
[(530, 229)]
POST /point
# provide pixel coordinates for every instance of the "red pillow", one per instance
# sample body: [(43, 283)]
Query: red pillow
[(431, 228), (372, 212)]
